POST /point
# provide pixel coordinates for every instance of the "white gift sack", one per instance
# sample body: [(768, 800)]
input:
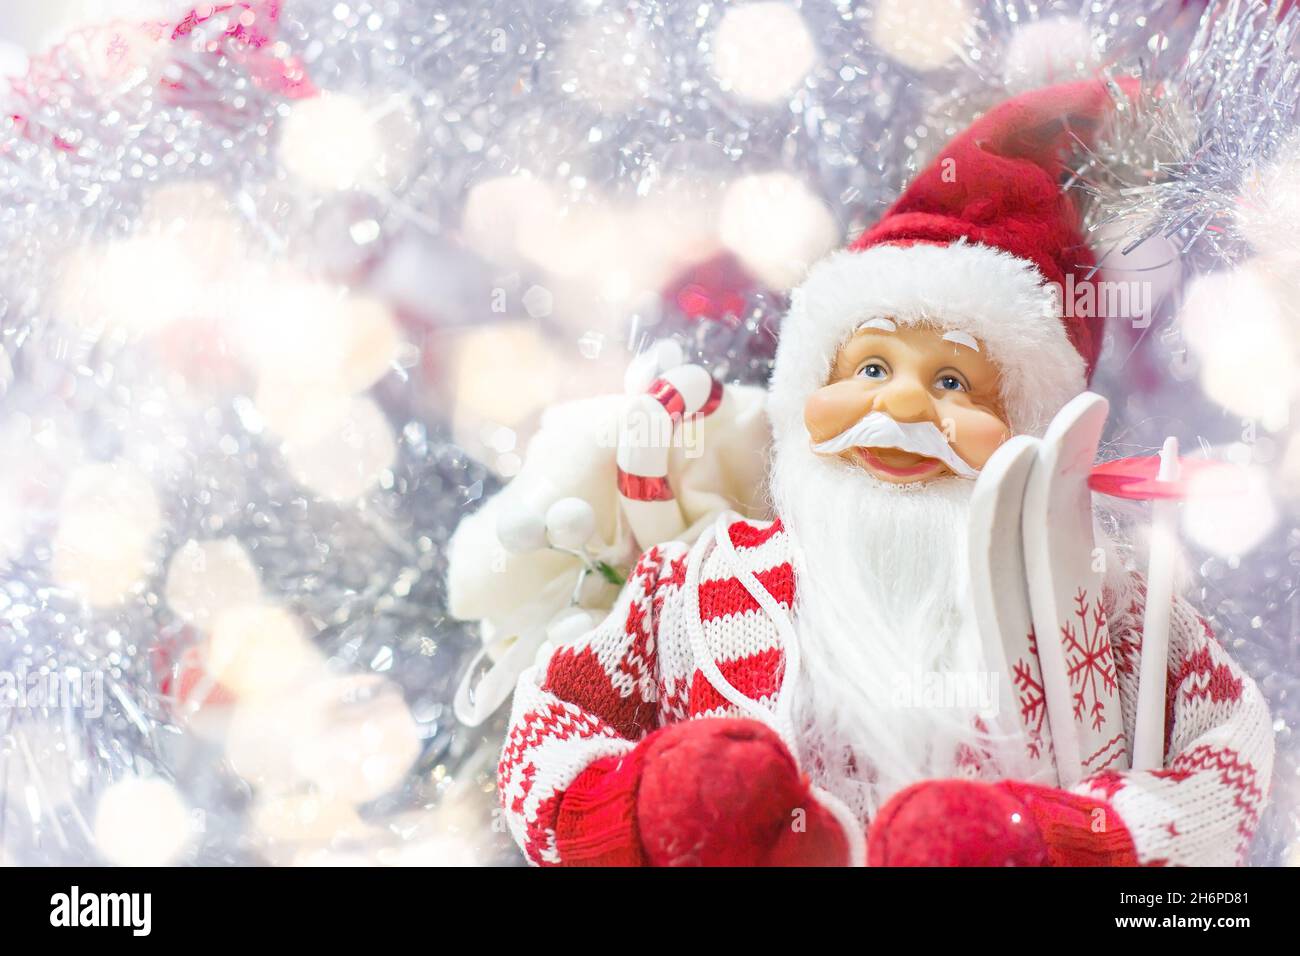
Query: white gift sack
[(716, 463)]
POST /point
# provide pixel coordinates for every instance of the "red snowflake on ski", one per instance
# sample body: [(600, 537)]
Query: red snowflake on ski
[(1028, 681), (1089, 661)]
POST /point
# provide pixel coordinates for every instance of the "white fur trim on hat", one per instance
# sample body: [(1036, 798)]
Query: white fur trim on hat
[(1002, 300)]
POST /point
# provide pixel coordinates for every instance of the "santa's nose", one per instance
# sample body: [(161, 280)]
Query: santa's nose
[(905, 401)]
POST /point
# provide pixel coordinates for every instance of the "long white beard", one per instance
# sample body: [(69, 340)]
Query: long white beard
[(880, 584)]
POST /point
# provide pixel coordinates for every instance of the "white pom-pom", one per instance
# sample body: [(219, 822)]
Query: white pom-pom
[(521, 530), (569, 625), (570, 523)]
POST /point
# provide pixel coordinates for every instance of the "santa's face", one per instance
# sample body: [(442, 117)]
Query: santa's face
[(877, 505), (909, 404)]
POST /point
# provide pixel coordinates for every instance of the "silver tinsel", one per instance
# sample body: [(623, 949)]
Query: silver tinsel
[(1176, 165), (598, 118)]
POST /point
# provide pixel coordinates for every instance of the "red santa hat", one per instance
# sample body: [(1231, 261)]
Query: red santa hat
[(983, 241)]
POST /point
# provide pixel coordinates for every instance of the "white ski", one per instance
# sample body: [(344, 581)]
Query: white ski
[(1065, 596), (1000, 598)]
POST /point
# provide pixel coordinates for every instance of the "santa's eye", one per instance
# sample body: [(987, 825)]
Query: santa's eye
[(874, 370), (948, 382)]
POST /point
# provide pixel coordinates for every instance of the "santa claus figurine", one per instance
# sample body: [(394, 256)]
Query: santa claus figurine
[(739, 705)]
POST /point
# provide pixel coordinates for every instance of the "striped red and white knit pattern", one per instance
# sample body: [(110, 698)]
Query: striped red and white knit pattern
[(635, 672)]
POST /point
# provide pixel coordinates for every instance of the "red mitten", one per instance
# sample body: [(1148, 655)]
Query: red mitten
[(1078, 830), (969, 823), (709, 792)]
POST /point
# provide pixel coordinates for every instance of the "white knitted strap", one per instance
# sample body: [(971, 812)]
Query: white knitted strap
[(784, 720), (784, 717), (700, 651), (781, 721)]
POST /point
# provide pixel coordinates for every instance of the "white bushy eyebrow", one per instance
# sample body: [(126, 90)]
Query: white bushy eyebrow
[(881, 325), (962, 338)]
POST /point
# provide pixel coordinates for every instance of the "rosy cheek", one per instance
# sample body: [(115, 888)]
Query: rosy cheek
[(976, 435)]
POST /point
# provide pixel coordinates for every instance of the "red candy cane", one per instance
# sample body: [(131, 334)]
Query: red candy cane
[(650, 423)]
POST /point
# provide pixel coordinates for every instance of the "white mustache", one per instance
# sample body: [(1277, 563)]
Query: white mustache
[(878, 430)]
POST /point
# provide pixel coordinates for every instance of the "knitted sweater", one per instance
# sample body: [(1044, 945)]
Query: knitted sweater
[(641, 670)]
